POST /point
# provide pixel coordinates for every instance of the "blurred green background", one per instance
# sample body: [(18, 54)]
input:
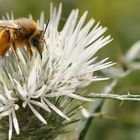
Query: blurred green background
[(122, 17)]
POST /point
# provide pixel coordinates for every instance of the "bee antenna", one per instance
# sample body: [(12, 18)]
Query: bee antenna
[(47, 23)]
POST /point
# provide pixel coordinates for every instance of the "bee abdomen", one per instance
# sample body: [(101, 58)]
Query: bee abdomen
[(4, 41)]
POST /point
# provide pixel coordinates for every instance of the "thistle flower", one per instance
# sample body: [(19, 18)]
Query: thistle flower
[(67, 64)]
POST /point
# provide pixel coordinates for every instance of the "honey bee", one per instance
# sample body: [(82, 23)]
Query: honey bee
[(21, 32)]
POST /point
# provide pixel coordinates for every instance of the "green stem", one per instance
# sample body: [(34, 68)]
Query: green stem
[(88, 122), (126, 97)]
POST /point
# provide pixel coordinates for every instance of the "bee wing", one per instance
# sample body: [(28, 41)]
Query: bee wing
[(8, 24)]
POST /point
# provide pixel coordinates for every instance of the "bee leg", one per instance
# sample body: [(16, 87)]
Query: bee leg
[(13, 47), (29, 50)]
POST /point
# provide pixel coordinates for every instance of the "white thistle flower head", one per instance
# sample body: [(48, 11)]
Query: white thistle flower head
[(67, 63)]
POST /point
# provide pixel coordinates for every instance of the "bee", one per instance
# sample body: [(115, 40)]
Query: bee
[(22, 32)]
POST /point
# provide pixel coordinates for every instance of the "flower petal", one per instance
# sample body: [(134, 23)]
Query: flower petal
[(56, 109), (37, 114)]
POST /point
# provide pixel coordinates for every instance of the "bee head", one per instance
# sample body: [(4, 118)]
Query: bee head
[(37, 41)]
